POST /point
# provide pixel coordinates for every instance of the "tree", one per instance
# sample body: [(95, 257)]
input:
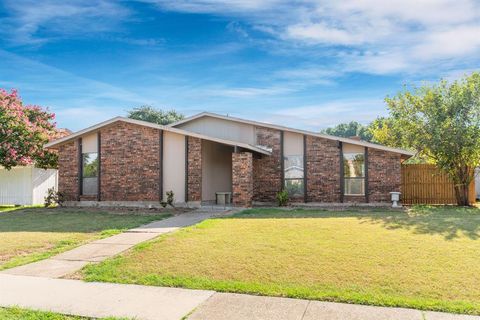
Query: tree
[(350, 129), (440, 122), (24, 130), (151, 114)]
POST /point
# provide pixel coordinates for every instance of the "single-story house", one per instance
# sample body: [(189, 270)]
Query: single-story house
[(124, 161), (26, 185)]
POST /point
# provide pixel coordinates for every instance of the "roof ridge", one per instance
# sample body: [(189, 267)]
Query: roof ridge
[(301, 131)]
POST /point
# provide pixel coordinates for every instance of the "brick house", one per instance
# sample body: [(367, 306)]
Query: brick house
[(129, 162)]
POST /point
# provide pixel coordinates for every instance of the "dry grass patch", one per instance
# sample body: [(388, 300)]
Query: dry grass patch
[(28, 235)]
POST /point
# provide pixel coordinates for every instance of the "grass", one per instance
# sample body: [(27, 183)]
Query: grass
[(28, 235), (25, 314), (426, 258), (13, 208)]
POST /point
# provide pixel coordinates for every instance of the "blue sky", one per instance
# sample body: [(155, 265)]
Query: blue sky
[(305, 64)]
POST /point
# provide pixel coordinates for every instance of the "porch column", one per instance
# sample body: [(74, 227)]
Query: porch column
[(193, 173), (242, 179)]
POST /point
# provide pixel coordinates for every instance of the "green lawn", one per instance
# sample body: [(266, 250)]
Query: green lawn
[(28, 235), (13, 208), (427, 258), (24, 314)]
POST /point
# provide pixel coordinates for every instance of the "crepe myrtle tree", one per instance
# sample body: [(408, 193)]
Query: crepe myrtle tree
[(442, 123), (151, 114), (24, 130)]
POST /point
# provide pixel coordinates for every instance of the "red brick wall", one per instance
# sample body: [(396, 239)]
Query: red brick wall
[(68, 170), (242, 179), (194, 169), (267, 170), (129, 163), (384, 174), (323, 170), (354, 199)]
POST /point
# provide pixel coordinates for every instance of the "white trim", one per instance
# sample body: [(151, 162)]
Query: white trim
[(310, 133), (60, 141)]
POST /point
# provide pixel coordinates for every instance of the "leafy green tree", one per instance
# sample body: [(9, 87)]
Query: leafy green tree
[(350, 129), (151, 114), (441, 122), (24, 130)]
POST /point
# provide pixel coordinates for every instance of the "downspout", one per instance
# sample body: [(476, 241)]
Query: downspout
[(99, 175), (367, 200), (80, 169), (305, 171), (282, 161), (160, 166), (342, 173), (186, 169)]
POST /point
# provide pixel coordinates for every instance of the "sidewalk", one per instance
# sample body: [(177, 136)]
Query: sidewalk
[(71, 261), (153, 303), (247, 307), (98, 300)]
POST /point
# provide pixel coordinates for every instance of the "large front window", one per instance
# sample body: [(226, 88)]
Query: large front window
[(354, 174), (294, 182), (90, 173)]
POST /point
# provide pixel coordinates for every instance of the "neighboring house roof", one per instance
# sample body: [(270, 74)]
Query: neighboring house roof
[(311, 133), (58, 142)]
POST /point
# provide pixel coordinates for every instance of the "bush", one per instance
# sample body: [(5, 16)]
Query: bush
[(53, 198), (170, 198), (282, 198)]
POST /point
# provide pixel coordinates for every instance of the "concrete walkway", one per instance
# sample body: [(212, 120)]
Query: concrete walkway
[(99, 300), (247, 307), (153, 303), (71, 261)]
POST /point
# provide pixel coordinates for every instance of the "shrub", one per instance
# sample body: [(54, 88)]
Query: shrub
[(53, 198), (170, 198), (282, 198)]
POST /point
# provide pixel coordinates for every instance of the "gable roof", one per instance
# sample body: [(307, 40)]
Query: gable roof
[(58, 142), (283, 128)]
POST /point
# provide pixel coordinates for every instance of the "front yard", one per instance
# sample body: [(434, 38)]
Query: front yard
[(28, 235), (425, 258)]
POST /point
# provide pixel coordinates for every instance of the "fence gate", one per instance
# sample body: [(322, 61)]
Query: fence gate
[(426, 184)]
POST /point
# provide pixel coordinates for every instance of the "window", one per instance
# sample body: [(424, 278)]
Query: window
[(294, 182), (354, 174), (90, 173)]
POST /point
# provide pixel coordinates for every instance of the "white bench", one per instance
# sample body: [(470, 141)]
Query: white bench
[(223, 197)]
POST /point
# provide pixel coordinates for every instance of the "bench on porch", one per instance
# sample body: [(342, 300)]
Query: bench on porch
[(223, 197)]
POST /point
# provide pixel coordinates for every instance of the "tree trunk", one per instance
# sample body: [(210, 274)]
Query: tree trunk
[(461, 194)]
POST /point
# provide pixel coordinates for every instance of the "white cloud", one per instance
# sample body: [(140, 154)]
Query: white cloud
[(65, 93), (387, 36), (322, 115), (214, 6), (380, 37), (247, 92), (322, 33), (27, 20), (454, 42)]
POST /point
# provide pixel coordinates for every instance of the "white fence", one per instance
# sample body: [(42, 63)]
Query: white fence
[(26, 185)]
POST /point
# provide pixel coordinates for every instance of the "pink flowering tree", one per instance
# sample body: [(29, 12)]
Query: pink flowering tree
[(24, 130)]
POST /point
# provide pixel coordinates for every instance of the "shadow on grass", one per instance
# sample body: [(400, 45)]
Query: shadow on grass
[(450, 222), (72, 220)]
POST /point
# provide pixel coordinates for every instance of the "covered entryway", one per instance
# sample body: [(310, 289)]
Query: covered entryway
[(216, 170)]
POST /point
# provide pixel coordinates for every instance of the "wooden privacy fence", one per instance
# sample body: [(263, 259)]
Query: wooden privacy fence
[(426, 184)]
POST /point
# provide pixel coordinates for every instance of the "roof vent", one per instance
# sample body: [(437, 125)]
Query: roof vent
[(355, 138)]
